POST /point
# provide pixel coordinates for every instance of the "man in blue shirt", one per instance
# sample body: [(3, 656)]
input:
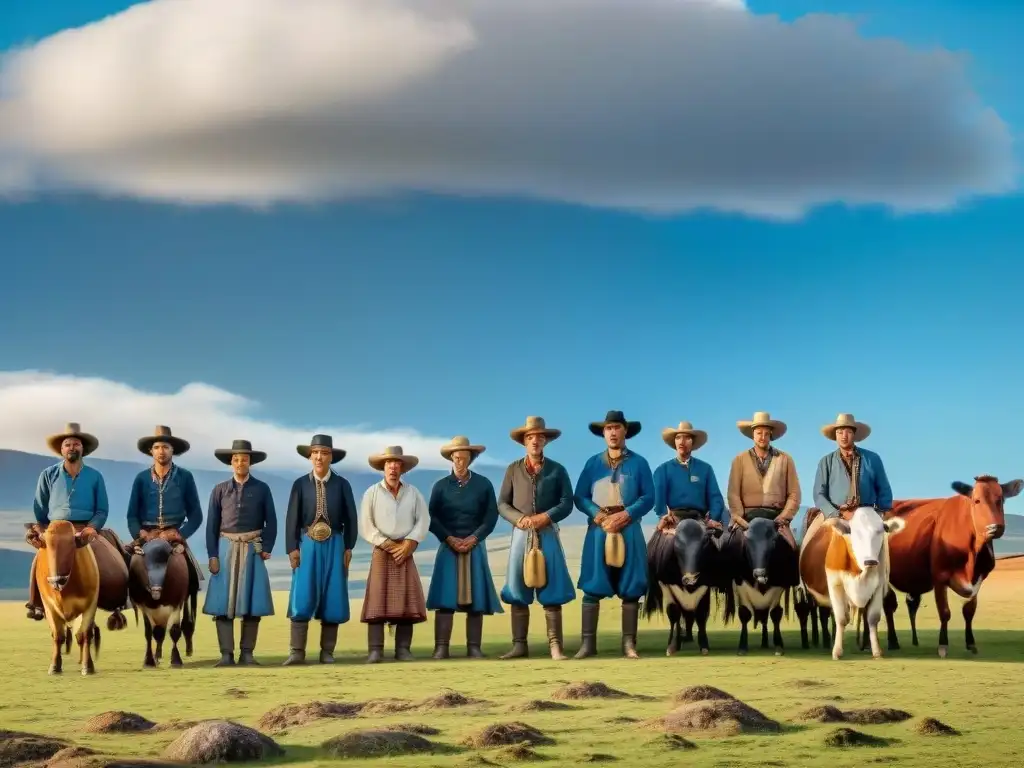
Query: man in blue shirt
[(685, 486)]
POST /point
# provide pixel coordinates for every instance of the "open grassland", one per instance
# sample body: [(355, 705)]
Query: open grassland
[(980, 696)]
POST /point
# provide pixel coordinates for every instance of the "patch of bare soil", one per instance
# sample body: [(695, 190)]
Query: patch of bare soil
[(597, 757), (377, 743), (237, 693), (216, 741), (540, 705), (17, 747), (722, 717), (118, 722), (847, 737), (448, 699), (869, 716), (929, 726), (702, 693), (289, 715), (672, 741), (587, 690), (807, 683), (418, 728), (386, 706), (520, 753), (619, 719), (501, 734)]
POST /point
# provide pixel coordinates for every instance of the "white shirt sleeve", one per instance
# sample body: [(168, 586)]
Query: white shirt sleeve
[(421, 518), (367, 530)]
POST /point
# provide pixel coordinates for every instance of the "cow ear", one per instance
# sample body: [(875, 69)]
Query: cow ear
[(842, 526), (894, 525), (962, 488), (1012, 488)]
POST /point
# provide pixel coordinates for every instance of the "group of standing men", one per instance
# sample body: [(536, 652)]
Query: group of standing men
[(615, 490)]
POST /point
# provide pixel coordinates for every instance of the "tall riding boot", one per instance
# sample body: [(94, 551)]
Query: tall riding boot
[(226, 641), (35, 602), (474, 635), (328, 639), (520, 633), (630, 612), (403, 642), (588, 634), (442, 633), (250, 630), (553, 618), (297, 647), (375, 642)]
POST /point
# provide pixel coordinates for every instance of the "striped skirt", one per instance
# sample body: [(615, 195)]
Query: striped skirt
[(394, 593)]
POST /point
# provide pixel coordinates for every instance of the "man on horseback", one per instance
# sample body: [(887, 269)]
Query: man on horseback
[(685, 486), (70, 490), (164, 502)]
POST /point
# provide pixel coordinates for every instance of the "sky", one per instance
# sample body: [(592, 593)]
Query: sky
[(400, 222)]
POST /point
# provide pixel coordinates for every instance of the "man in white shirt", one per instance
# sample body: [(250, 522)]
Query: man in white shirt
[(393, 518)]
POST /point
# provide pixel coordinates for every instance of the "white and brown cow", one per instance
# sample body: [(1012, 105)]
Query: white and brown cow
[(844, 565)]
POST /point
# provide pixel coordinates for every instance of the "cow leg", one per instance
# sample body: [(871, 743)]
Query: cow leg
[(673, 612), (745, 617), (776, 616), (688, 618), (816, 638), (942, 607), (701, 616), (57, 632), (150, 660), (85, 635), (802, 606), (841, 612), (913, 604), (159, 635), (872, 615), (889, 605), (826, 618), (175, 637), (969, 609), (762, 616), (188, 630)]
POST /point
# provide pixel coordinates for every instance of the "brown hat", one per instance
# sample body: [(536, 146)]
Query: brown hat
[(700, 437), (461, 443), (393, 453), (762, 419), (860, 429), (534, 424), (162, 434), (73, 429)]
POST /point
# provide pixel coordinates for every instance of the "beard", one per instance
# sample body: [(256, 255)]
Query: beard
[(74, 456)]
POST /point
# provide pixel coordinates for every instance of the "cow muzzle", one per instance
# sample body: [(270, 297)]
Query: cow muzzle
[(690, 579), (761, 575), (995, 531), (58, 582)]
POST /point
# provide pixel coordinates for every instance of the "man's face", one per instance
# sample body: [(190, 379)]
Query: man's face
[(71, 449), (392, 471), (240, 463), (615, 435), (535, 442), (321, 459), (684, 445), (844, 436), (162, 453), (762, 436), (460, 461)]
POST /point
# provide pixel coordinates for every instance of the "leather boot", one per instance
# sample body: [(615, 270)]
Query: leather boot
[(34, 605), (553, 618), (375, 642), (630, 612), (226, 641), (297, 647), (246, 646), (520, 633), (442, 634), (588, 633), (474, 635), (328, 639), (403, 642)]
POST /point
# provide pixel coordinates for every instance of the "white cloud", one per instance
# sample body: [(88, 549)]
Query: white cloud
[(36, 404), (657, 105)]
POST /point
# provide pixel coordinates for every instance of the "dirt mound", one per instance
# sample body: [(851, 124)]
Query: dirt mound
[(377, 743), (929, 726), (71, 753), (520, 753), (418, 728), (540, 705), (289, 715), (118, 722), (702, 693), (501, 734), (672, 741), (870, 716), (807, 683), (725, 717), (619, 719), (448, 699), (221, 741), (597, 757), (386, 706), (236, 693), (17, 747), (847, 737), (586, 690)]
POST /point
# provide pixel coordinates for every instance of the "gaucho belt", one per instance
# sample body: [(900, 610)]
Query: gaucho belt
[(687, 513)]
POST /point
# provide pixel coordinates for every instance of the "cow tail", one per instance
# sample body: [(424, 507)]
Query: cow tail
[(94, 634), (730, 605), (786, 599), (659, 559)]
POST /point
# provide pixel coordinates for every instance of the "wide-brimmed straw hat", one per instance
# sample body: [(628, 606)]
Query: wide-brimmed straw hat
[(393, 453), (239, 446), (162, 434), (322, 441), (860, 429), (534, 425), (73, 429), (461, 443), (700, 437), (615, 417), (762, 419)]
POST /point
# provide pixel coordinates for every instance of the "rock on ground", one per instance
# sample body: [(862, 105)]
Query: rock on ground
[(221, 741)]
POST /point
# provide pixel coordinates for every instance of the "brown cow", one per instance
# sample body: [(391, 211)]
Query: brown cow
[(947, 544), (68, 580)]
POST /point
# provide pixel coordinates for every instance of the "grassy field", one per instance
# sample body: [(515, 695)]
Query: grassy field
[(978, 695)]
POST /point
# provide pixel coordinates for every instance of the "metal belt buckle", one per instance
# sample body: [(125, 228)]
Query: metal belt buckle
[(319, 531)]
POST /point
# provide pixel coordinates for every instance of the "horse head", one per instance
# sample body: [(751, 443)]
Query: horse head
[(759, 541), (60, 542), (690, 540), (987, 498), (156, 554), (867, 534)]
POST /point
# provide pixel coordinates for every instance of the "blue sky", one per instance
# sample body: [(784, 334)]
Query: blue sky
[(461, 315)]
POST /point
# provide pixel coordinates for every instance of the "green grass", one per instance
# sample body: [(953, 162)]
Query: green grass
[(979, 695)]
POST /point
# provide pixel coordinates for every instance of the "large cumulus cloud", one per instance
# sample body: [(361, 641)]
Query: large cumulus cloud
[(652, 105)]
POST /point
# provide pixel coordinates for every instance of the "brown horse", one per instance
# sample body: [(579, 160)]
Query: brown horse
[(160, 585), (947, 544), (68, 581)]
